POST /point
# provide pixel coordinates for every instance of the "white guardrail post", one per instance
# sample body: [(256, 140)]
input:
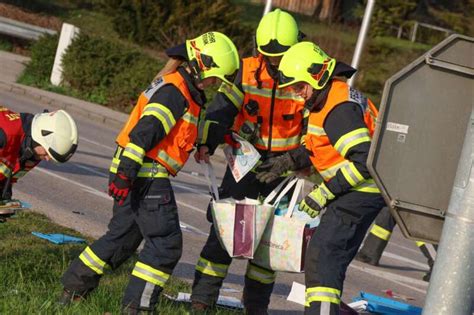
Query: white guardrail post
[(68, 32)]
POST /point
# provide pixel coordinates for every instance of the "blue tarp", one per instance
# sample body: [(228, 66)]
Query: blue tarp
[(385, 306), (59, 238)]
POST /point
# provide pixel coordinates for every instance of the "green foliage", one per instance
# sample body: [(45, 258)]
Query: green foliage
[(5, 44), (107, 72), (388, 15), (30, 270), (383, 58), (165, 23), (38, 71)]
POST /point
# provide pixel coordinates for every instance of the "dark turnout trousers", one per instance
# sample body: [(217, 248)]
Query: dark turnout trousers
[(333, 246), (149, 213), (214, 261)]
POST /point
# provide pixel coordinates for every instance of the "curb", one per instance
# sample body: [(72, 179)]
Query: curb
[(85, 109)]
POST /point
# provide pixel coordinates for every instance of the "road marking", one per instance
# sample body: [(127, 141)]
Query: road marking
[(398, 279), (96, 143), (404, 259), (104, 195), (113, 149)]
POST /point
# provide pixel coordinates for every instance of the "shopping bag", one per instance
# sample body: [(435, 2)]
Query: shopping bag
[(239, 224), (284, 242)]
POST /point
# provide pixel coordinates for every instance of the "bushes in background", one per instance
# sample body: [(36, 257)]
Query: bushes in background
[(38, 71), (164, 23), (94, 69)]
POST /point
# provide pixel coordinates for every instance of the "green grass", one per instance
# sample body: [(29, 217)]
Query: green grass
[(30, 270)]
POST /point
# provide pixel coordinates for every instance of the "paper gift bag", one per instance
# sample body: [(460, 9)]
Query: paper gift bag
[(284, 242)]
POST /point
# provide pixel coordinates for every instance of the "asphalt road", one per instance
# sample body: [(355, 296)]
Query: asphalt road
[(74, 195)]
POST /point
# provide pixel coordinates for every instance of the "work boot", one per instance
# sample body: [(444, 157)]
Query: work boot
[(68, 296), (362, 257), (255, 311), (129, 310), (372, 250), (199, 307)]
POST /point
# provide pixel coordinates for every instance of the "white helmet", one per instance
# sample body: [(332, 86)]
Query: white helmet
[(56, 132)]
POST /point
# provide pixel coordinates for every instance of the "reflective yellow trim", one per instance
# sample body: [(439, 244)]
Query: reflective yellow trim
[(260, 275), (330, 172), (169, 161), (380, 232), (152, 170), (162, 113), (265, 92), (5, 170), (279, 142), (212, 269), (233, 94), (134, 152), (92, 261), (351, 139), (322, 294), (190, 118), (316, 130), (204, 130), (150, 274), (352, 174), (367, 186), (419, 243)]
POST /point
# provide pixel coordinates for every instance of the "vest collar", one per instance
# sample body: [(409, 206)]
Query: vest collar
[(198, 95)]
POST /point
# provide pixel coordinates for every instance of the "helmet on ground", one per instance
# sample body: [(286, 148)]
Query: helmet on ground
[(212, 54), (56, 132), (276, 32), (305, 62)]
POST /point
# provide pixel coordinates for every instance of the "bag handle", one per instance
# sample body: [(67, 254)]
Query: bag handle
[(294, 198), (211, 179), (275, 191)]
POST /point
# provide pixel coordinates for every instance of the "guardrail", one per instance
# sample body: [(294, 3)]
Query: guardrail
[(23, 30)]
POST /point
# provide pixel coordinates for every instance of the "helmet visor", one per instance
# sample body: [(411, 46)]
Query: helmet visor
[(61, 158), (273, 48)]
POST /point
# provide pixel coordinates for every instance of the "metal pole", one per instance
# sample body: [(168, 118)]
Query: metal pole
[(362, 36), (451, 289), (268, 7)]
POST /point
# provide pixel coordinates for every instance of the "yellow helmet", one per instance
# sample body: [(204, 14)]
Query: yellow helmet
[(212, 54), (305, 62), (276, 32)]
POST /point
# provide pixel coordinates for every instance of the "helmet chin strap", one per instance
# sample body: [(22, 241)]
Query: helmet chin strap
[(27, 150)]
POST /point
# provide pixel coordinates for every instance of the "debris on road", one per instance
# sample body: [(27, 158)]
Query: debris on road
[(79, 212), (223, 301), (396, 295), (385, 306), (59, 238)]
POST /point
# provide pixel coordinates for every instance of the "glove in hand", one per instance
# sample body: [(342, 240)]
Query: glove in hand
[(274, 167), (316, 200), (229, 139), (119, 188)]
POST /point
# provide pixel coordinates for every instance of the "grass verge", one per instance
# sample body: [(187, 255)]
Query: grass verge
[(30, 269)]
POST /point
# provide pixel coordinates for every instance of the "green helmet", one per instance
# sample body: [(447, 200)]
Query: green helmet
[(276, 32), (305, 62), (212, 55)]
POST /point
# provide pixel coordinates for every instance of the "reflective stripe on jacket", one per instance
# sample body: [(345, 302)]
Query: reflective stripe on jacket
[(329, 159), (280, 111), (173, 151)]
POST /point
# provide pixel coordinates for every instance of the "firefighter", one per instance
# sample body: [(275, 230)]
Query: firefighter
[(378, 237), (26, 140), (340, 128), (272, 119), (154, 143)]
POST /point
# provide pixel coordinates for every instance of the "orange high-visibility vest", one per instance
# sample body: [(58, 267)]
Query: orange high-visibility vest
[(280, 110), (326, 159), (173, 151)]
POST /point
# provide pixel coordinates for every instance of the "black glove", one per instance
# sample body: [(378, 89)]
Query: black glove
[(275, 167)]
